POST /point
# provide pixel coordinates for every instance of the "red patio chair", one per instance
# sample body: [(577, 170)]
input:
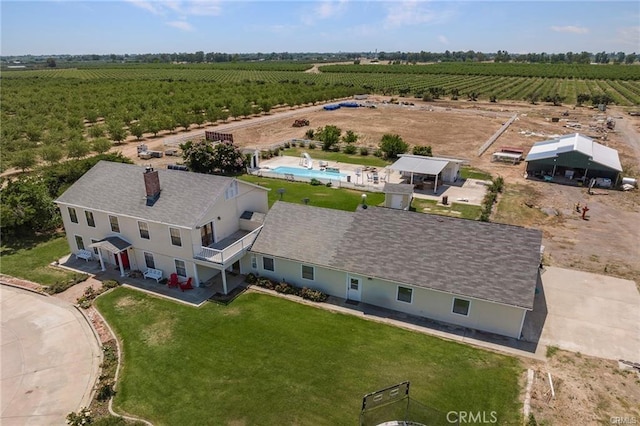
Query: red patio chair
[(173, 281), (186, 285)]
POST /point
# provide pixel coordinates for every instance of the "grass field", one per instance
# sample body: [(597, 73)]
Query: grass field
[(263, 360), (30, 258), (319, 196), (462, 210)]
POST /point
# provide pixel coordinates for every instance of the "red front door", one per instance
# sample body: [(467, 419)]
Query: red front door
[(125, 259)]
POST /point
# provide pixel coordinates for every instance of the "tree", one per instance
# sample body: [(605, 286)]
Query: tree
[(77, 148), (136, 130), (392, 145), (27, 207), (350, 137), (96, 131), (473, 96), (184, 120), (101, 145), (51, 63), (51, 153), (329, 136), (582, 98), (153, 126), (532, 97), (24, 159), (204, 157), (116, 131)]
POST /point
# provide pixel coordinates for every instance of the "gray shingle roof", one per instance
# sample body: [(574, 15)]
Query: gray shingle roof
[(398, 188), (119, 189), (302, 233), (487, 261)]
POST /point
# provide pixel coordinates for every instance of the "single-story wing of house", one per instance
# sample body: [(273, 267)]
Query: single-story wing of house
[(468, 273), (573, 156), (418, 168)]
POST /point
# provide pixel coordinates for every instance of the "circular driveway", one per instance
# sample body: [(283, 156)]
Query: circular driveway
[(50, 358)]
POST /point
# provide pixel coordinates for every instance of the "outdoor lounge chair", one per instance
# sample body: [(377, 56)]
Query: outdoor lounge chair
[(173, 281), (186, 285)]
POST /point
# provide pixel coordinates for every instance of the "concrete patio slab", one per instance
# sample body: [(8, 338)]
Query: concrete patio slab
[(592, 314), (50, 358)]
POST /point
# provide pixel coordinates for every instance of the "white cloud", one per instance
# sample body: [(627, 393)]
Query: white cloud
[(147, 5), (414, 12), (325, 9), (181, 25), (443, 39), (570, 29)]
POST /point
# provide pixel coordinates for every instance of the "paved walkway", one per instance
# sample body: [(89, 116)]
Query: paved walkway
[(50, 358)]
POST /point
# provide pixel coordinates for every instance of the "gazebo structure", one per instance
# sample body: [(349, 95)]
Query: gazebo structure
[(417, 169)]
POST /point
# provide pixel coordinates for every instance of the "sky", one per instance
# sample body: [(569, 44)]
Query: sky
[(53, 27)]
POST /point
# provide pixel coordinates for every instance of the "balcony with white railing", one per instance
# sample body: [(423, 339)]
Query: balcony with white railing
[(227, 248)]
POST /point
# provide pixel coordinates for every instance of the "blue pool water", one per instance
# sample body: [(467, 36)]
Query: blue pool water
[(308, 173)]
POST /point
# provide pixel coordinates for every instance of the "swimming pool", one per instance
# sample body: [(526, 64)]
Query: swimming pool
[(308, 173)]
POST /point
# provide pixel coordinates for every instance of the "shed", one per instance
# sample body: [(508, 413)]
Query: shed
[(418, 169), (398, 195), (573, 156)]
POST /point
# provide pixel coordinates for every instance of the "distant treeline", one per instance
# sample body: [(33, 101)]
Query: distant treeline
[(393, 57)]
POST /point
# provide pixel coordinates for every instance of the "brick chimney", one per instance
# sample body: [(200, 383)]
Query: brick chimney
[(151, 185)]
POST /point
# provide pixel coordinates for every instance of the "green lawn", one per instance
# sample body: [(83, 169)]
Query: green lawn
[(29, 258), (466, 211), (263, 360), (471, 173), (320, 195), (318, 154)]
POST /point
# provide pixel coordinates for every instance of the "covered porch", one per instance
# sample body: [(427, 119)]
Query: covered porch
[(212, 289), (118, 247), (426, 172)]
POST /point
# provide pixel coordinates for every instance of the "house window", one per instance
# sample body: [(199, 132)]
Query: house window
[(307, 272), (148, 260), (144, 230), (95, 249), (267, 264), (231, 191), (181, 268), (115, 226), (405, 294), (175, 237), (79, 242), (89, 216), (72, 214), (254, 262), (461, 306)]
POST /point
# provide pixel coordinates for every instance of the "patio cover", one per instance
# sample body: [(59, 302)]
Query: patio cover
[(111, 244), (420, 165)]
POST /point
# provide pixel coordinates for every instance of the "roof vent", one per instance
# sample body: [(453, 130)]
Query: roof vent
[(151, 185)]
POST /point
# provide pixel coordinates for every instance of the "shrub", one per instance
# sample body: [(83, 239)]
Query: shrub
[(286, 288), (422, 150), (313, 295), (59, 287), (350, 149), (251, 278), (315, 182), (311, 145), (310, 134), (378, 153), (80, 418), (105, 391), (364, 151), (265, 283), (106, 285)]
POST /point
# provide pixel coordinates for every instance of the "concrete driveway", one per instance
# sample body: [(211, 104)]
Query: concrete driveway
[(50, 358), (587, 313)]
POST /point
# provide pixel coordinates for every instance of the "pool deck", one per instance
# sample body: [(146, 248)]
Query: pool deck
[(470, 191)]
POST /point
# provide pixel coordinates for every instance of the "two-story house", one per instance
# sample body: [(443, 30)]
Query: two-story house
[(131, 217)]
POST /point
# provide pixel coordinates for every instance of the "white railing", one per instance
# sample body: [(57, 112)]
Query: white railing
[(222, 256)]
